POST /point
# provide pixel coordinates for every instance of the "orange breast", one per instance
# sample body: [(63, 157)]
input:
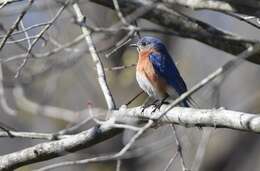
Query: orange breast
[(144, 66)]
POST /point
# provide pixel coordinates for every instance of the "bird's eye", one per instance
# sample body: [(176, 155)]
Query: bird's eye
[(143, 43)]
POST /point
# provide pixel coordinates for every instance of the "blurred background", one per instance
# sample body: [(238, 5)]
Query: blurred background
[(68, 80)]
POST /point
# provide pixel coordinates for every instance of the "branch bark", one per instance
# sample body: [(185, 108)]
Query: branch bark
[(188, 117), (96, 59), (188, 27), (250, 7)]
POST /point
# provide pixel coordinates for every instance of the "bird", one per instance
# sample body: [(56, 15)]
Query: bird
[(156, 72)]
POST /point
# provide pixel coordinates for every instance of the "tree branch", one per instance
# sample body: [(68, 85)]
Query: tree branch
[(188, 27), (15, 25), (49, 150), (190, 117), (202, 4), (96, 59), (187, 117)]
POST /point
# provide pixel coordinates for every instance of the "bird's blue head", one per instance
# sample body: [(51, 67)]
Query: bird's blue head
[(148, 43)]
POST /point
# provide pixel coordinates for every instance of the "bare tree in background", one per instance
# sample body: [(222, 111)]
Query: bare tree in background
[(67, 80)]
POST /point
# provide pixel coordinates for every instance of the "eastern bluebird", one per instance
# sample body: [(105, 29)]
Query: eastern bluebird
[(156, 73)]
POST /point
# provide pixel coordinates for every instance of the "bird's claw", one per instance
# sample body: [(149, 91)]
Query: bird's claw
[(146, 105), (155, 108), (159, 105), (143, 108)]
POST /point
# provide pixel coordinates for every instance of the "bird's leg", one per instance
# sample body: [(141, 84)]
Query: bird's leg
[(158, 106), (148, 103), (161, 102)]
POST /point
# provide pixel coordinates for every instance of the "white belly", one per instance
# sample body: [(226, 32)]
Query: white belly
[(146, 85)]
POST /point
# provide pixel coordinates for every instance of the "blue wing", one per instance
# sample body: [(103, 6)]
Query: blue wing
[(165, 68)]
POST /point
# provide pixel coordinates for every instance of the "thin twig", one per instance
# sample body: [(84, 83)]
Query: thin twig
[(22, 40), (3, 101), (56, 43), (26, 35), (121, 43), (31, 135), (169, 164), (110, 122), (116, 68), (179, 147), (74, 127), (25, 60), (15, 25), (27, 29), (201, 150), (100, 69), (4, 4), (119, 13), (241, 18), (118, 165)]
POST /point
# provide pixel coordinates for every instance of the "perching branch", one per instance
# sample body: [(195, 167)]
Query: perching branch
[(188, 117)]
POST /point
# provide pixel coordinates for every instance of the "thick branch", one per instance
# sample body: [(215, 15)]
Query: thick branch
[(249, 7), (182, 116), (202, 4), (188, 27), (49, 150), (190, 117)]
